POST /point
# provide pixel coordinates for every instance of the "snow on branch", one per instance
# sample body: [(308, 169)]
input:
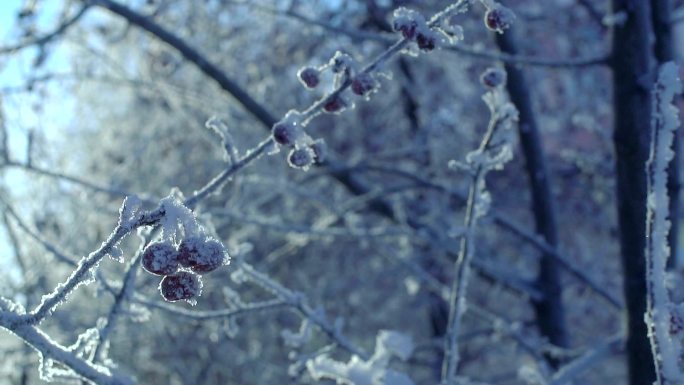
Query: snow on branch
[(665, 343), (372, 371)]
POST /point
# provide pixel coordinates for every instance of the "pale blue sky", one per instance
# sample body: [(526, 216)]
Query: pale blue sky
[(19, 114)]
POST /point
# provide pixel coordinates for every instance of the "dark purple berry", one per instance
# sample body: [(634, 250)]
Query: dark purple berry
[(362, 84), (201, 254), (160, 258), (426, 41), (499, 18), (334, 104), (182, 285), (285, 133), (408, 29), (301, 157), (493, 77), (309, 77), (407, 22)]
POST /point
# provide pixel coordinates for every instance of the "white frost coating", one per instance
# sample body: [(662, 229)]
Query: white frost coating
[(665, 343), (371, 372), (217, 126), (301, 337), (131, 209), (175, 212)]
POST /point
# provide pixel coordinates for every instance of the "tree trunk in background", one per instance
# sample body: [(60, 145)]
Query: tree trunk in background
[(632, 65), (549, 310), (664, 52)]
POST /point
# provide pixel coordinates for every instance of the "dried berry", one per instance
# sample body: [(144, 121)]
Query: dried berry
[(301, 157), (427, 41), (309, 76), (320, 150), (334, 104), (493, 77), (363, 83), (160, 258), (202, 254), (499, 18), (182, 285)]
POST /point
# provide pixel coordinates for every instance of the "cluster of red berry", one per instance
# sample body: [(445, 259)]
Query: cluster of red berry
[(182, 265)]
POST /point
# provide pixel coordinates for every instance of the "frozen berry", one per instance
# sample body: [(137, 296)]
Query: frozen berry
[(202, 254), (285, 134), (160, 258), (182, 285), (427, 41), (499, 18), (309, 77), (334, 104), (493, 77), (320, 150), (301, 157), (363, 83)]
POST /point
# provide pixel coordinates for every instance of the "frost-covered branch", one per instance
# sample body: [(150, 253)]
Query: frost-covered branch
[(460, 48), (50, 351), (665, 341), (494, 151), (85, 265), (297, 300)]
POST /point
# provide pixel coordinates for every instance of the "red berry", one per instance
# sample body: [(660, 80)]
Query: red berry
[(160, 258), (309, 77), (182, 285), (201, 254), (334, 104)]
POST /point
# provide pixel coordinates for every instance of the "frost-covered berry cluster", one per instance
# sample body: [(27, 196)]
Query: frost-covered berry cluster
[(304, 150), (345, 71), (413, 27), (181, 255)]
